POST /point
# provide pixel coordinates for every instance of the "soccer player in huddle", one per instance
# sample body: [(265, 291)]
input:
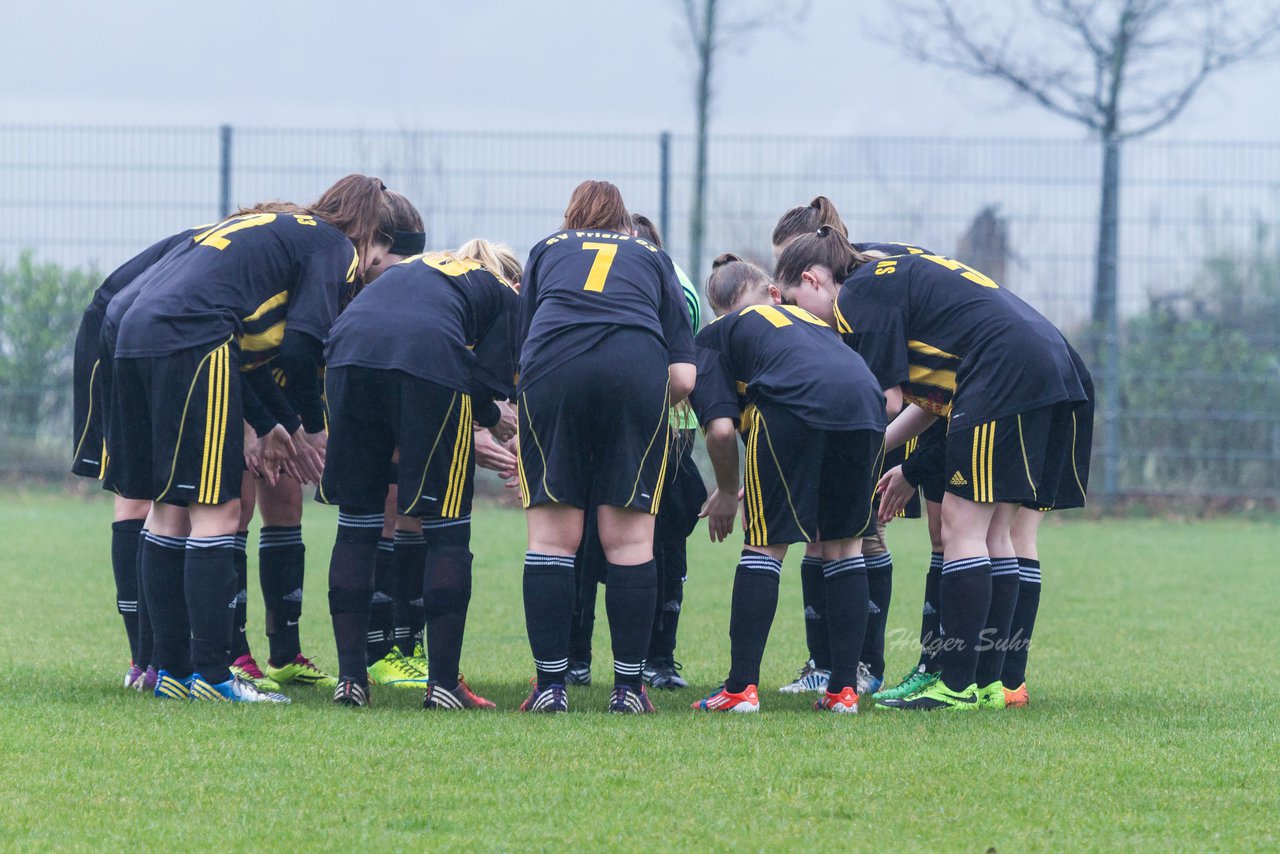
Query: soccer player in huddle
[(948, 341), (606, 350), (812, 420), (249, 290)]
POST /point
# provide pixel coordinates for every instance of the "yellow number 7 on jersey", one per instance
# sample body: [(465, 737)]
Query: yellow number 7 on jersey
[(599, 267)]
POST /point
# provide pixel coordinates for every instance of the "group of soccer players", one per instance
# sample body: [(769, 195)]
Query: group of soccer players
[(231, 364)]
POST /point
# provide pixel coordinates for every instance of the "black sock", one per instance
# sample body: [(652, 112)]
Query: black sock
[(667, 605), (163, 577), (629, 596), (930, 643), (446, 594), (124, 566), (879, 594), (846, 584), (1024, 621), (995, 634), (282, 560), (210, 579), (548, 611), (815, 612), (240, 640), (965, 594), (583, 624), (755, 601), (381, 625), (351, 569), (408, 562), (146, 640)]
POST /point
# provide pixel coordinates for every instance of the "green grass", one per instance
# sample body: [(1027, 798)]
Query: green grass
[(1153, 721)]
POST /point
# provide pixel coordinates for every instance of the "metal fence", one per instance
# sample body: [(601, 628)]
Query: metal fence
[(1199, 266)]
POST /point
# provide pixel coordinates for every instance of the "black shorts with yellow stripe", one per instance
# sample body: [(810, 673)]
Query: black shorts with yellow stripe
[(175, 432), (1038, 458), (596, 429), (88, 440), (802, 484), (371, 412)]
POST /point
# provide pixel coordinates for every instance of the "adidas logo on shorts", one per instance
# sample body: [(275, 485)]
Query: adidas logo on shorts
[(957, 479)]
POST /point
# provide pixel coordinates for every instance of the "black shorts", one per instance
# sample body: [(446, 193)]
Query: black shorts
[(596, 429), (88, 441), (176, 427), (930, 464), (372, 412), (1039, 459), (803, 484)]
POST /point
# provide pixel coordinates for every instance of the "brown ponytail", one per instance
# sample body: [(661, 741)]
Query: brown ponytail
[(806, 219), (825, 247), (731, 277), (597, 204), (358, 206)]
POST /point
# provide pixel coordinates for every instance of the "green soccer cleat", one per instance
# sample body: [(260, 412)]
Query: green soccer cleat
[(300, 671), (992, 696), (247, 669), (914, 681), (936, 696), (418, 659), (395, 671)]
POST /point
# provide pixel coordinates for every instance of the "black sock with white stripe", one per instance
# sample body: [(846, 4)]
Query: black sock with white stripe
[(351, 569), (124, 566), (210, 579), (240, 640), (630, 595), (930, 644), (146, 640), (381, 609), (1024, 621), (755, 601), (845, 581), (447, 594), (815, 612), (879, 594), (163, 582), (995, 634), (282, 561), (408, 563), (965, 594), (548, 611)]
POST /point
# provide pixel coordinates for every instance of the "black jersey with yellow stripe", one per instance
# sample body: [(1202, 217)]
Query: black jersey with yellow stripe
[(789, 357), (126, 273), (439, 318), (891, 249), (248, 276), (955, 341)]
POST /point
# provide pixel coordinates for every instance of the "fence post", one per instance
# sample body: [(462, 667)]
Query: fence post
[(224, 171), (664, 185), (1108, 250)]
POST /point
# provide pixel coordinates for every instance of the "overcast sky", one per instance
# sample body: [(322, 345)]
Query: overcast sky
[(516, 64)]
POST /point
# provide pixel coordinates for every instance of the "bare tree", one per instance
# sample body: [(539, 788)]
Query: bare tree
[(711, 25)]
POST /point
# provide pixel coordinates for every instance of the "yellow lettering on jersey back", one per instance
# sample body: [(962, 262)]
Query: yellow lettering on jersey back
[(217, 236), (605, 253), (555, 239), (969, 273), (884, 268), (769, 313), (797, 311), (451, 266)]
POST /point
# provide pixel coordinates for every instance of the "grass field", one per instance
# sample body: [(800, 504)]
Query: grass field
[(1153, 721)]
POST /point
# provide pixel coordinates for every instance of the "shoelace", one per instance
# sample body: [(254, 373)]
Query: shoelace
[(403, 666), (254, 671), (305, 663)]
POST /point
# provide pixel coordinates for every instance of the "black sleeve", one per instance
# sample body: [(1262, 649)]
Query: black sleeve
[(255, 412), (300, 360), (494, 372), (673, 313), (528, 300), (314, 300), (714, 395), (483, 409), (926, 460), (271, 398), (879, 335)]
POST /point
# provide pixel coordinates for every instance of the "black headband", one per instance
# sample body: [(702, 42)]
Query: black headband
[(409, 243)]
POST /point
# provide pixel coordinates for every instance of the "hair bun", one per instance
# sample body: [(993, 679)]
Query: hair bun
[(724, 258), (824, 231)]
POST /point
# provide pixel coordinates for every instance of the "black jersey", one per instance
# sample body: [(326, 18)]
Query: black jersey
[(957, 343), (124, 275), (891, 248), (784, 355), (441, 319), (580, 285), (247, 276)]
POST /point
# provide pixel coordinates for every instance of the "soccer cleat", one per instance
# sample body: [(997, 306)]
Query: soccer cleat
[(723, 700), (169, 688), (914, 681), (812, 679), (628, 701), (395, 671), (936, 696), (992, 696), (247, 669), (462, 697), (133, 676), (301, 671), (845, 703), (234, 690), (1017, 698), (549, 699), (147, 682), (867, 683), (418, 659), (579, 673), (350, 693), (664, 674)]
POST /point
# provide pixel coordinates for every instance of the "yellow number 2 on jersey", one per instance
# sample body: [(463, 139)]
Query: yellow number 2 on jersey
[(217, 236), (600, 266)]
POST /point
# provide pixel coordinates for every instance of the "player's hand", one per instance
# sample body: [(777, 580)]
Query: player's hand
[(308, 455), (252, 452), (275, 454), (494, 456), (505, 429), (895, 492), (719, 511)]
